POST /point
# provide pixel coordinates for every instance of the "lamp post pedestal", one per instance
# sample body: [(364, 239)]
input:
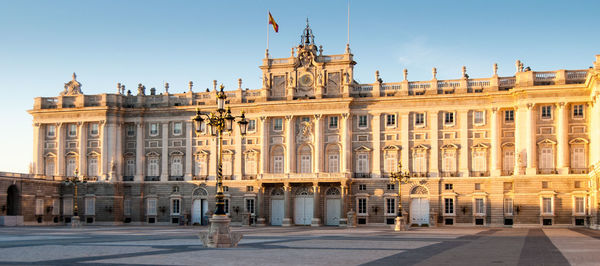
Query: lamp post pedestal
[(400, 224), (75, 222), (219, 234)]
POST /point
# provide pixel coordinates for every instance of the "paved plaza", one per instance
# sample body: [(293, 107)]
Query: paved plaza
[(373, 245)]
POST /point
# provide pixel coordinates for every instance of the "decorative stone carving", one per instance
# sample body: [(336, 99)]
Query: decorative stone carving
[(72, 87), (304, 133)]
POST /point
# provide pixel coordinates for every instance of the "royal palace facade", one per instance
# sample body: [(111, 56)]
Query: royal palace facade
[(522, 150)]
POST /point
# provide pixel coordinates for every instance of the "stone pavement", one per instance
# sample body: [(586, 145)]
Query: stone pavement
[(372, 245)]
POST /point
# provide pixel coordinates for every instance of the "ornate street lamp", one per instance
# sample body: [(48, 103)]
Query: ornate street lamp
[(75, 220), (400, 176), (218, 122)]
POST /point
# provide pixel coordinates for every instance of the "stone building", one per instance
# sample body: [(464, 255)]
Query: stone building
[(520, 150)]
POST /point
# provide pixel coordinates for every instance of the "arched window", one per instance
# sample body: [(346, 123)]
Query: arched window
[(71, 166), (92, 166), (201, 163), (277, 162), (153, 165), (129, 166), (305, 159), (333, 159), (50, 166), (176, 166)]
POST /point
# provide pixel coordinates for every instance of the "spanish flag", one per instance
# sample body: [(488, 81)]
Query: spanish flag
[(272, 22)]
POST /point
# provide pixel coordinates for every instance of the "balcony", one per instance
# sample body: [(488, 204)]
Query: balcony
[(127, 178), (579, 170), (152, 178), (362, 175), (199, 177), (175, 178), (547, 171)]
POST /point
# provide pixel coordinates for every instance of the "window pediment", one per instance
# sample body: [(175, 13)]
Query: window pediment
[(93, 153), (129, 154), (420, 147), (450, 146), (71, 153), (480, 146), (508, 145), (176, 153), (579, 141), (547, 142), (363, 149), (391, 148), (50, 154), (152, 154)]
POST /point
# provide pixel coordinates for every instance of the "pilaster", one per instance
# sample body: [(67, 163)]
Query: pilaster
[(463, 163), (118, 154), (287, 202), (531, 140), (264, 144), (495, 169), (520, 143), (139, 152), (316, 220), (318, 158), (237, 160), (164, 169), (376, 132), (60, 151), (290, 145), (434, 163), (405, 141), (562, 147), (38, 150), (346, 143), (189, 136), (103, 151)]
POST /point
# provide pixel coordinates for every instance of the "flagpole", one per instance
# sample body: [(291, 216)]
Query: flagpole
[(267, 52), (348, 22)]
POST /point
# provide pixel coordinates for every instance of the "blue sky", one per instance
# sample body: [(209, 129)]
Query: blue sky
[(152, 42)]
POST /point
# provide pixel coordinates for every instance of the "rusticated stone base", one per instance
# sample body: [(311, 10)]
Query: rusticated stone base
[(219, 234)]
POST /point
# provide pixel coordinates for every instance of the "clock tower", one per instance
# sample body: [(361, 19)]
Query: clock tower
[(307, 73)]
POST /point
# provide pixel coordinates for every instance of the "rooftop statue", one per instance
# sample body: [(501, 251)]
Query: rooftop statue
[(72, 87)]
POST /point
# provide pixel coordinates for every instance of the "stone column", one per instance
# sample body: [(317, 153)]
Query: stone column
[(189, 138), (405, 141), (164, 169), (212, 161), (346, 139), (318, 158), (562, 147), (103, 151), (38, 151), (376, 132), (495, 169), (60, 152), (264, 144), (343, 211), (82, 146), (237, 160), (290, 144), (434, 163), (111, 174), (260, 221), (118, 154), (463, 163), (531, 140), (519, 140), (316, 220), (287, 202), (140, 158)]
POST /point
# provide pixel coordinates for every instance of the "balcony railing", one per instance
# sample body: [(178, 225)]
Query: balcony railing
[(249, 177), (175, 178), (579, 170), (507, 172), (199, 177), (419, 174), (127, 178), (449, 174), (362, 175), (480, 173), (152, 178), (547, 171)]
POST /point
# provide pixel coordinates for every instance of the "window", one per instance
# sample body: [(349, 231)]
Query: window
[(249, 188), (129, 167), (508, 206), (448, 186), (50, 166), (127, 207), (419, 119), (420, 162), (71, 166), (55, 207), (390, 120), (130, 130), (305, 119), (250, 166), (579, 205), (277, 124), (547, 158), (305, 163), (479, 160), (177, 128), (390, 206), (92, 166), (39, 207), (250, 206), (176, 166), (448, 118), (577, 111), (362, 187), (508, 163), (226, 206), (545, 184), (153, 166), (448, 206), (479, 118), (391, 162), (362, 206), (252, 125), (90, 206), (225, 188), (509, 116), (479, 206), (362, 163), (391, 187), (477, 186), (94, 129), (362, 121), (449, 161), (333, 122), (227, 169), (151, 208), (547, 205), (153, 129), (334, 163), (577, 184), (67, 206), (278, 164), (578, 157), (175, 206), (200, 167), (547, 112), (72, 130), (50, 131)]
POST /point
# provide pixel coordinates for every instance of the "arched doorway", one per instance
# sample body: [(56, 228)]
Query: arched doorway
[(277, 206), (199, 206), (332, 205), (419, 205), (303, 207), (13, 201)]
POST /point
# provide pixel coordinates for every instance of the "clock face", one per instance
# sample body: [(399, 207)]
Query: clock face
[(305, 80)]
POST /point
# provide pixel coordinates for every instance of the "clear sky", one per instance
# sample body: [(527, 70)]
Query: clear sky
[(151, 42)]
